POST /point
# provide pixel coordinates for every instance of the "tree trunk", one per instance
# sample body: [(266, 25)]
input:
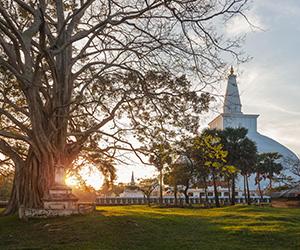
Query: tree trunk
[(233, 190), (33, 179), (160, 188), (187, 201), (229, 200), (245, 189), (186, 196), (248, 191), (260, 193), (215, 189), (31, 183), (175, 194), (148, 200), (205, 190)]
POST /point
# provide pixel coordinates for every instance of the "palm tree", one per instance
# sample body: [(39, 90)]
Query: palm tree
[(247, 163), (232, 140)]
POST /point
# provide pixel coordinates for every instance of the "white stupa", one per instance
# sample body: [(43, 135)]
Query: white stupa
[(233, 116)]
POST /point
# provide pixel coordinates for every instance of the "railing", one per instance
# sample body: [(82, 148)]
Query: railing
[(155, 200)]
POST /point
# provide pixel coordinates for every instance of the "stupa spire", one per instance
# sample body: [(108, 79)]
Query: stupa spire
[(132, 179), (232, 102)]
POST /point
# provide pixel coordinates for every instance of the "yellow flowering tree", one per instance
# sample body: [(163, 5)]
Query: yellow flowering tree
[(208, 150)]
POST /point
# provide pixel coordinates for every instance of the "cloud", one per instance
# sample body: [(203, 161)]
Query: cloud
[(238, 25)]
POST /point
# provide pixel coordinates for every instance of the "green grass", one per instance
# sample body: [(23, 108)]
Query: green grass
[(141, 227)]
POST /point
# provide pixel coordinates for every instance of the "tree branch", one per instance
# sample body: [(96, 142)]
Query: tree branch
[(7, 150)]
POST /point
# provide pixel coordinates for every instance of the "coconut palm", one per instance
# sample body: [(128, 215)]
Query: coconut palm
[(247, 163), (233, 141)]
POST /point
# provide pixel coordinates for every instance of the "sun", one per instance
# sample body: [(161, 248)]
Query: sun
[(92, 177)]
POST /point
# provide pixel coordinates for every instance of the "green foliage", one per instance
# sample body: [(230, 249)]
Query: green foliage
[(109, 189), (160, 155), (268, 165), (235, 142), (173, 175), (209, 151), (248, 156), (241, 154)]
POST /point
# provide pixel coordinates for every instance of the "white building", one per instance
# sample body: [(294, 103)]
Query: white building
[(196, 196), (233, 116)]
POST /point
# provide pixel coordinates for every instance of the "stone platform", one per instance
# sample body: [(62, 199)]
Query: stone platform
[(60, 197)]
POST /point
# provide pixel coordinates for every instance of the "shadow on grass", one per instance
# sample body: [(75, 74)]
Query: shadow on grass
[(141, 227)]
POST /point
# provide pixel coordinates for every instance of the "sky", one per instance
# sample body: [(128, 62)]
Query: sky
[(269, 84)]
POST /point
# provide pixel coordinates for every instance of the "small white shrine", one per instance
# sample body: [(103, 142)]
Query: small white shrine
[(60, 195)]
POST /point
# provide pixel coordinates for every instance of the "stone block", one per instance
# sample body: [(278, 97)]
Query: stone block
[(57, 206)]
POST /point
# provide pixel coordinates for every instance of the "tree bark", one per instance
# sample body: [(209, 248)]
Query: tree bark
[(175, 194), (260, 193), (233, 190), (31, 182), (205, 190), (215, 189), (229, 199), (33, 179), (187, 201), (148, 200), (245, 189), (248, 191), (160, 187)]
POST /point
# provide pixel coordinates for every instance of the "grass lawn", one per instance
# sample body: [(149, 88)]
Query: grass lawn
[(141, 227)]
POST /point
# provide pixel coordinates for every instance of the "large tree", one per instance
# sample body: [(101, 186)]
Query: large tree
[(172, 178), (182, 171), (248, 161), (296, 168), (160, 157), (147, 186), (271, 164), (208, 149), (73, 77), (261, 173), (234, 141)]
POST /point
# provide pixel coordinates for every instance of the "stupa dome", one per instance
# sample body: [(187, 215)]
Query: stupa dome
[(233, 116)]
